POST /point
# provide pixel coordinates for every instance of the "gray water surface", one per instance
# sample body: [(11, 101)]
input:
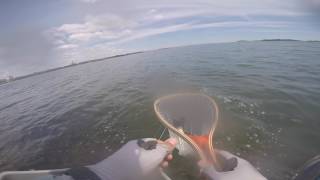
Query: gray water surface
[(268, 92)]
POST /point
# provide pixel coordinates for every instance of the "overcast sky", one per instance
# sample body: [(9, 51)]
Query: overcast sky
[(39, 34)]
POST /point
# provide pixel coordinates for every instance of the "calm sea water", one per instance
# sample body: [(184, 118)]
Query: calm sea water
[(269, 93)]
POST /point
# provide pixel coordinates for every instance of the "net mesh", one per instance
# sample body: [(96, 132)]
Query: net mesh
[(191, 114)]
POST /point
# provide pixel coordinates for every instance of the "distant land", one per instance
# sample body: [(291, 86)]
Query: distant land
[(11, 78), (280, 40), (2, 81)]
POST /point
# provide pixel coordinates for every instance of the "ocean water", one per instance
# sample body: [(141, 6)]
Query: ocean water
[(268, 93)]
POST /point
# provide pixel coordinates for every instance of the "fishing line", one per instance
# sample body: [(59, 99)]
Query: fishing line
[(164, 130)]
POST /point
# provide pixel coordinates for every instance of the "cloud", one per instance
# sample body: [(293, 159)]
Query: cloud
[(229, 7), (313, 6), (114, 29), (102, 27), (2, 51), (68, 46), (27, 52), (80, 41), (165, 14), (183, 27), (151, 32), (82, 29), (108, 32), (89, 1), (153, 18)]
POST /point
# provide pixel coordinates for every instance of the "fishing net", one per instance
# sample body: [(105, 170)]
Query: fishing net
[(190, 118)]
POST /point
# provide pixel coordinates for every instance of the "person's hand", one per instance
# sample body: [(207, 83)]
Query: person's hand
[(171, 142), (136, 159), (243, 170)]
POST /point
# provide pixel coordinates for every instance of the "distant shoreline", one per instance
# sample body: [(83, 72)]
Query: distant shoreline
[(3, 81), (276, 40)]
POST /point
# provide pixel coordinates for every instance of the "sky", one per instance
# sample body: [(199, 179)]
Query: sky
[(36, 35)]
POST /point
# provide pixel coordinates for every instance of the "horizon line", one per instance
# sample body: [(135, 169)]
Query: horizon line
[(138, 52)]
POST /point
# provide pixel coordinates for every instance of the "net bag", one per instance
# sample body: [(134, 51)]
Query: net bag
[(191, 118)]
